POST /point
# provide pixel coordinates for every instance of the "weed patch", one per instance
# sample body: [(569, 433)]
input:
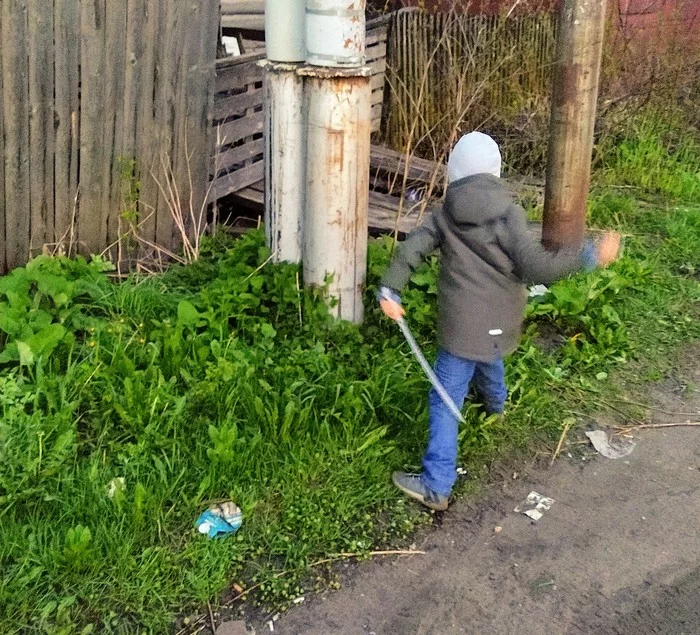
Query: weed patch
[(126, 408)]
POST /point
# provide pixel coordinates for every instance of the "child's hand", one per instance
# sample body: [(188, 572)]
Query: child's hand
[(608, 248), (392, 309), (390, 301)]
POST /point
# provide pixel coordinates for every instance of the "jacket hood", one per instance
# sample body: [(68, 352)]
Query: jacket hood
[(476, 200), (474, 153)]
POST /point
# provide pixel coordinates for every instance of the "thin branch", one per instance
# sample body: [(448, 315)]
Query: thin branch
[(561, 442), (689, 424)]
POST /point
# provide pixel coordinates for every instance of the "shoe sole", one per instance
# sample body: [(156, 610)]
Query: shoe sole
[(438, 507)]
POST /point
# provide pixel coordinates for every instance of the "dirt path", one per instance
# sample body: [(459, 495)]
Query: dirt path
[(619, 551)]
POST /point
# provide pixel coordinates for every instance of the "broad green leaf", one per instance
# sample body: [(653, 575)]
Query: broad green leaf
[(186, 313), (26, 357)]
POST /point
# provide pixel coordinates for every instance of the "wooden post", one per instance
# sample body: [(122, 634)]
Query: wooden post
[(575, 93)]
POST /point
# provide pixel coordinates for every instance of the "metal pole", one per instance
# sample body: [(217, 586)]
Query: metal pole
[(285, 30), (338, 107), (574, 98), (285, 161)]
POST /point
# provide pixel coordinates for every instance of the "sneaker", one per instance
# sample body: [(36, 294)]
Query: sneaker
[(412, 485)]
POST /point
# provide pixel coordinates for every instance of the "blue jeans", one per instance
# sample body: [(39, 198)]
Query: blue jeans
[(456, 374)]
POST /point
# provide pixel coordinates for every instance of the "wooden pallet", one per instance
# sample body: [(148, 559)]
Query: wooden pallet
[(387, 212)]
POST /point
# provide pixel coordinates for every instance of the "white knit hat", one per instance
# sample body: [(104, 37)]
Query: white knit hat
[(474, 153)]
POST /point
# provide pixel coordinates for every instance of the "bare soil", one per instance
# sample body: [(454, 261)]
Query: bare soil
[(618, 552)]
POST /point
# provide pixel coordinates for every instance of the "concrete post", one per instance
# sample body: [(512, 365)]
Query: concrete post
[(285, 161), (338, 106)]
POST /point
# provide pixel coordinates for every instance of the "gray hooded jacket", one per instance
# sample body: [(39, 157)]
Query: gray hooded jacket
[(488, 256)]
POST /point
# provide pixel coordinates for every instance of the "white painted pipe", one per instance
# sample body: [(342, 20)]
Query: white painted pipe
[(338, 107), (335, 33), (285, 161), (285, 30)]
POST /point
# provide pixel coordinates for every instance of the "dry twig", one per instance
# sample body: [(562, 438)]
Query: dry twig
[(688, 424), (561, 441)]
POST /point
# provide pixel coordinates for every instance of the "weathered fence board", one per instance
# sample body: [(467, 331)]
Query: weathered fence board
[(2, 154), (15, 69), (148, 143), (99, 99), (41, 122), (92, 219), (113, 121), (67, 121)]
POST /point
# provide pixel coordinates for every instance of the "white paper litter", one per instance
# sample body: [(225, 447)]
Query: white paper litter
[(608, 447), (538, 291), (534, 505), (116, 485), (231, 45)]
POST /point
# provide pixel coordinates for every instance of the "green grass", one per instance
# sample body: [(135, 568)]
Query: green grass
[(654, 153), (224, 380)]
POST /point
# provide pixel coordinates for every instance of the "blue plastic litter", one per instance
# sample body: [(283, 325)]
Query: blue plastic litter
[(220, 520)]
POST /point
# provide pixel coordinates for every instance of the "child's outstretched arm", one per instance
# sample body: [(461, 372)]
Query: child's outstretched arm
[(536, 265), (411, 253)]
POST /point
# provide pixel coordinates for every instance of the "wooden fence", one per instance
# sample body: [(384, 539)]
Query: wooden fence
[(237, 156), (447, 69), (98, 99)]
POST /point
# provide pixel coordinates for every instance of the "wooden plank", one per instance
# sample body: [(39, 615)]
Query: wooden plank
[(128, 192), (92, 219), (377, 82), (387, 160), (374, 36), (135, 50), (242, 6), (376, 52), (113, 160), (230, 183), (251, 22), (194, 116), (188, 15), (147, 141), (384, 210), (232, 131), (67, 105), (210, 29), (236, 77), (378, 66), (252, 194), (224, 161), (15, 68), (231, 105), (170, 59), (3, 238), (227, 62), (41, 125)]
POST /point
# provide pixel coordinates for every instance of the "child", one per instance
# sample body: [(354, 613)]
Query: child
[(488, 258)]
